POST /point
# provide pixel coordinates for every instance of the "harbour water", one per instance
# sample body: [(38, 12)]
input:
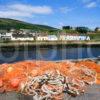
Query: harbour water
[(48, 53)]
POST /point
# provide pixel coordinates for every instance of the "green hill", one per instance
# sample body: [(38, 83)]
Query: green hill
[(6, 24)]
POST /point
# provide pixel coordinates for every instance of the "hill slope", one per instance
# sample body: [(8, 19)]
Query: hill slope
[(6, 23)]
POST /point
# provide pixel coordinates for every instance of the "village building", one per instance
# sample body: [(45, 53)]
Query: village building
[(97, 29), (52, 38), (42, 38), (28, 35), (47, 38), (73, 38), (62, 37), (22, 37), (5, 36)]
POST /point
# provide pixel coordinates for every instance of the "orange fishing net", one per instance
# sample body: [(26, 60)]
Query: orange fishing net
[(92, 65), (13, 75)]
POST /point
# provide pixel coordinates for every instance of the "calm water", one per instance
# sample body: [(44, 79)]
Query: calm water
[(53, 53)]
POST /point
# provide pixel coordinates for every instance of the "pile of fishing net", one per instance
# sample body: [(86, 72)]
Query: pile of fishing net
[(46, 80)]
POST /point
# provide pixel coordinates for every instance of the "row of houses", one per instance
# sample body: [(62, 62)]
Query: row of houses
[(23, 36), (63, 37)]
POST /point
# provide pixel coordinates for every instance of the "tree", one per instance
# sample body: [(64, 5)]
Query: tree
[(67, 27), (82, 29), (97, 29)]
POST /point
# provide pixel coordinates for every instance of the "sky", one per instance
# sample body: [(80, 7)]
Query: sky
[(56, 13)]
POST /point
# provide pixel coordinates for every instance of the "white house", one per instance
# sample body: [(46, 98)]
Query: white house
[(22, 38), (62, 37), (88, 38), (42, 38), (5, 36), (98, 29), (47, 38), (74, 38), (52, 38)]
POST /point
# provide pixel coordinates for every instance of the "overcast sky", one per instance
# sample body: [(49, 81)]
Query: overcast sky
[(53, 12)]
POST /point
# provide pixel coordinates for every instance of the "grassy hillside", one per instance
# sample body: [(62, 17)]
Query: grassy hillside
[(6, 23), (95, 37)]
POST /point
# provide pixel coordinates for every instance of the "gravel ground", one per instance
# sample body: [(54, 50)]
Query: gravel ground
[(92, 93)]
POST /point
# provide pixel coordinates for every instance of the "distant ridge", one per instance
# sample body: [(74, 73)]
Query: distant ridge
[(7, 23)]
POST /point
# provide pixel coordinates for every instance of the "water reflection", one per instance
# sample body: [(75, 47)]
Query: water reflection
[(52, 53)]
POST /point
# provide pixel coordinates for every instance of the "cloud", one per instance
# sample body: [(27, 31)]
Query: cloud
[(86, 1), (21, 10), (13, 14), (61, 23), (65, 9), (32, 9), (91, 5)]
